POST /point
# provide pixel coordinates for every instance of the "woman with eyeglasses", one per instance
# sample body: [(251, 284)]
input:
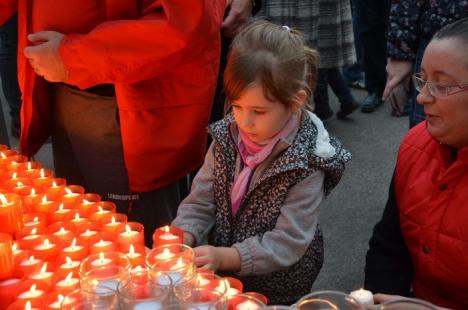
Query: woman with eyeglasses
[(420, 246)]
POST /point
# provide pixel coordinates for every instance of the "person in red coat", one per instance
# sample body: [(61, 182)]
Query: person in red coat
[(125, 89), (420, 246)]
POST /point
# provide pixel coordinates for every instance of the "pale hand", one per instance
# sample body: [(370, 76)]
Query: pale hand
[(44, 57), (207, 257), (240, 12), (398, 71)]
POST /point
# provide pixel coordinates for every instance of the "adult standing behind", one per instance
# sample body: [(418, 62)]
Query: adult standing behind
[(420, 245), (412, 24), (125, 87)]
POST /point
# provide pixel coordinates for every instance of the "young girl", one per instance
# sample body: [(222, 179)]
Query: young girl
[(267, 171)]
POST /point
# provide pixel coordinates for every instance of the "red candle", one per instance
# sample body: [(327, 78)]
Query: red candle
[(11, 162), (4, 155), (74, 251), (61, 214), (29, 169), (63, 232), (32, 220), (101, 210), (26, 305), (79, 221), (30, 265), (243, 302), (88, 202), (67, 285), (43, 276), (102, 261), (167, 235), (103, 244), (7, 290), (44, 204), (48, 250), (30, 241), (30, 199), (11, 217), (54, 300), (54, 187), (44, 179), (68, 266), (6, 256), (29, 291), (6, 176), (72, 195), (133, 234), (114, 223), (86, 232), (234, 286), (18, 254), (136, 259)]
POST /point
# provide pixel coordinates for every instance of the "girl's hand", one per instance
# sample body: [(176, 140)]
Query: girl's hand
[(207, 257)]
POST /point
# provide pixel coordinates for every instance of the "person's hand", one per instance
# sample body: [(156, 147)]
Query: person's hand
[(240, 12), (398, 71), (44, 56), (207, 257)]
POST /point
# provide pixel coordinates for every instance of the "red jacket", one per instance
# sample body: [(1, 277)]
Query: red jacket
[(7, 9), (161, 55), (432, 196)]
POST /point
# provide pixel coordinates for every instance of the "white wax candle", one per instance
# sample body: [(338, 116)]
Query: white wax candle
[(166, 254), (247, 305), (42, 275), (30, 294), (30, 261), (364, 297), (72, 248), (70, 264), (102, 243), (45, 246), (88, 233), (232, 291), (168, 236), (130, 233), (101, 262), (61, 232), (147, 305), (68, 282)]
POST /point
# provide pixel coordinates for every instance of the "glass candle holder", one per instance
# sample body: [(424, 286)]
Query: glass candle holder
[(104, 270), (101, 298), (138, 292), (175, 260), (243, 302), (276, 307), (328, 300), (205, 291), (407, 304)]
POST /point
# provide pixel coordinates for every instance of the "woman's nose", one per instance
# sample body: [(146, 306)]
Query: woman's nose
[(424, 97)]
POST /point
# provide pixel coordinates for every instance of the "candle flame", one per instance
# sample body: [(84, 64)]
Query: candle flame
[(68, 191), (36, 219), (44, 199), (33, 288), (14, 175), (43, 269), (28, 305), (86, 202), (34, 231), (128, 229), (69, 260), (113, 220), (166, 229), (131, 250), (69, 276), (31, 259), (3, 155), (60, 298), (42, 173), (60, 207), (3, 199), (19, 184), (73, 244), (33, 192), (54, 184), (101, 256), (29, 165), (46, 242), (77, 216), (62, 231), (14, 247), (100, 209)]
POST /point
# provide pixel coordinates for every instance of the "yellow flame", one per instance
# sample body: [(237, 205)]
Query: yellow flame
[(68, 191), (3, 199), (3, 155), (43, 269), (131, 250), (113, 220), (54, 184), (46, 243), (100, 209), (69, 260), (77, 216), (14, 247), (42, 173), (44, 199), (69, 276), (166, 229), (19, 184), (28, 305), (33, 288), (31, 259), (14, 175), (36, 219), (62, 231), (34, 231), (29, 165), (101, 256), (60, 298), (33, 192), (61, 207), (128, 229)]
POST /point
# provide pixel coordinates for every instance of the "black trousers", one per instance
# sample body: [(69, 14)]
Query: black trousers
[(87, 148), (374, 26)]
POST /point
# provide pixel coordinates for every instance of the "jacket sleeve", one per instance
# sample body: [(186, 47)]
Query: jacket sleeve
[(196, 214), (388, 263), (404, 28), (169, 32), (7, 9), (294, 230)]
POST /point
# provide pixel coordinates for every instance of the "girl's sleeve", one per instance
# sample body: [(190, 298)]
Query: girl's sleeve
[(128, 51), (196, 213), (388, 263), (294, 230)]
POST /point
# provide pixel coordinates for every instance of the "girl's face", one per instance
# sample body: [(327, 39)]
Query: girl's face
[(445, 63), (259, 118)]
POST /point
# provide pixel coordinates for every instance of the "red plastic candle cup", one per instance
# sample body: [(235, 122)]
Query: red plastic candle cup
[(30, 291), (29, 169), (67, 266), (30, 230), (79, 221), (6, 256), (17, 185), (259, 296), (29, 265), (132, 234), (11, 216), (167, 235), (54, 188), (37, 220), (14, 161), (235, 286), (63, 232), (6, 176), (88, 202), (61, 214), (101, 210), (4, 158), (18, 254), (113, 223), (86, 232), (8, 288), (102, 242), (75, 250), (54, 300), (26, 305), (43, 276), (29, 241), (136, 258), (47, 250), (44, 204), (29, 199), (72, 195), (68, 284), (44, 179), (243, 302)]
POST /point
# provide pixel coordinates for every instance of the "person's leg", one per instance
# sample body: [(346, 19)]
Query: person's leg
[(8, 71), (322, 107), (353, 74), (347, 102), (374, 20)]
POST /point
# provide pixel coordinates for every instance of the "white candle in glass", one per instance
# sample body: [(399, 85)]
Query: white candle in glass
[(101, 261), (364, 297)]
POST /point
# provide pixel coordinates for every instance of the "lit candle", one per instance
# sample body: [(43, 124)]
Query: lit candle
[(61, 214), (247, 305), (29, 169), (30, 265), (34, 219), (11, 215), (74, 251), (15, 161), (202, 281), (101, 210), (18, 254), (30, 241), (73, 195), (115, 224), (132, 235), (56, 188), (43, 276), (136, 259), (79, 222), (32, 294), (234, 286), (47, 250), (56, 304), (6, 256), (7, 291), (101, 261), (30, 200), (44, 205), (88, 202), (167, 235), (179, 264), (102, 246), (68, 266), (68, 284), (44, 178), (166, 254), (364, 297), (62, 232)]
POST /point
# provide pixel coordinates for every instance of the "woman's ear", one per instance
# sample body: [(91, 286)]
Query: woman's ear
[(299, 100)]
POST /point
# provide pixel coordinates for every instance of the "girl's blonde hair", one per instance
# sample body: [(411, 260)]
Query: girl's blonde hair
[(275, 56)]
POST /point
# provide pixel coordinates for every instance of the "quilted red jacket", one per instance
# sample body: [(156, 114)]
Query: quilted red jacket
[(161, 55), (432, 196)]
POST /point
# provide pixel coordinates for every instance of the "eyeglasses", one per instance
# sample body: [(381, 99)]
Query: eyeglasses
[(437, 90)]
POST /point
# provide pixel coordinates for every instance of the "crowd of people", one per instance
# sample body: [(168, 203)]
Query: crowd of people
[(125, 90)]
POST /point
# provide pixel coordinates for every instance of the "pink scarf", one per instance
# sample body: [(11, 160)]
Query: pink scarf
[(252, 155)]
